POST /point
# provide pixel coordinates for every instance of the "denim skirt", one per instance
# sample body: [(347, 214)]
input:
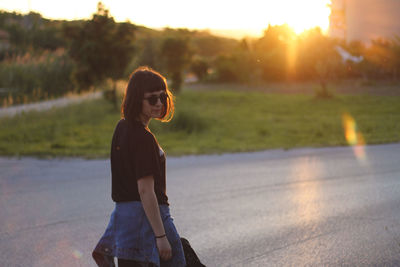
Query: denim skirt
[(129, 236)]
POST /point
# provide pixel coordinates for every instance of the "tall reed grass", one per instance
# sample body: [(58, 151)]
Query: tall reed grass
[(29, 78)]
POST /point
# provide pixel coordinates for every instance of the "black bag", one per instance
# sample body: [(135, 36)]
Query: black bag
[(190, 256)]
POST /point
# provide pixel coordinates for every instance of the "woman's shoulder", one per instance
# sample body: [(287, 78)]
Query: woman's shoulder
[(121, 126), (135, 130), (125, 124)]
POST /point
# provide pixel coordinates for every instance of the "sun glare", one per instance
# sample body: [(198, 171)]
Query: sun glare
[(252, 16), (301, 15)]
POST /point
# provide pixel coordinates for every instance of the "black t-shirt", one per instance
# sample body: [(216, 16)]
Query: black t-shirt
[(135, 153)]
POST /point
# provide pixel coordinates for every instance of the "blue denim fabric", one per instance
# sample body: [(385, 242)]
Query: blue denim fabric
[(129, 236)]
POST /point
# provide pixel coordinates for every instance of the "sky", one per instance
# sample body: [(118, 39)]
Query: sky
[(250, 16)]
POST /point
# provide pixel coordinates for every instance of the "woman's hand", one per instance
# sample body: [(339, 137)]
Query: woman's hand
[(164, 248)]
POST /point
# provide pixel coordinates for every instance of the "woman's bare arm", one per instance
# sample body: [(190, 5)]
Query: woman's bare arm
[(152, 210)]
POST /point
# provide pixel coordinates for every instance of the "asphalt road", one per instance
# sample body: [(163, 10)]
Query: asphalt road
[(304, 207)]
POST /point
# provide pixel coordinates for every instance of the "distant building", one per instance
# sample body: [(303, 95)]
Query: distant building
[(364, 20)]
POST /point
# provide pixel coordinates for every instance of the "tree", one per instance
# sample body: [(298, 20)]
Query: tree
[(271, 52), (380, 59), (396, 57), (226, 68), (101, 48), (199, 67), (176, 55), (123, 50), (240, 65), (149, 54), (317, 58)]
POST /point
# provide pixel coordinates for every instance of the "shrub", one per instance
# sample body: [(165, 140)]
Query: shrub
[(188, 122), (184, 121)]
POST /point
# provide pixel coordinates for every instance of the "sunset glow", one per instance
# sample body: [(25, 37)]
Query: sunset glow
[(302, 15), (252, 16)]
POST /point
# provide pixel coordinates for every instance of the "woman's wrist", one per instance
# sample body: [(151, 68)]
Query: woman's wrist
[(161, 236)]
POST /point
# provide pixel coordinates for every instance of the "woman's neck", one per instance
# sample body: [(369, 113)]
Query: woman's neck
[(144, 120)]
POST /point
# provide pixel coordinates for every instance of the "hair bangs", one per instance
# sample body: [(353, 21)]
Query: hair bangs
[(155, 83)]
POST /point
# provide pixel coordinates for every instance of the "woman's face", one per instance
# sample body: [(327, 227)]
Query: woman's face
[(152, 105)]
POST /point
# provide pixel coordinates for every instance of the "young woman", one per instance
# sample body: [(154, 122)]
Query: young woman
[(141, 231)]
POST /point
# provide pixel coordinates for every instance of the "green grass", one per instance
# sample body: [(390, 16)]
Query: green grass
[(208, 122)]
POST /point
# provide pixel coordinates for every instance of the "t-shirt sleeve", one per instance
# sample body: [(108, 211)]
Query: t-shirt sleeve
[(145, 160)]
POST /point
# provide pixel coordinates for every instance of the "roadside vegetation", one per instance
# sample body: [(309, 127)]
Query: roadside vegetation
[(208, 122), (42, 58), (280, 90)]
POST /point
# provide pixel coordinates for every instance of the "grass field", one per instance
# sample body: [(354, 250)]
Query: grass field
[(208, 121)]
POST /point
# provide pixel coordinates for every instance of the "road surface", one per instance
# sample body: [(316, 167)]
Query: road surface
[(304, 207)]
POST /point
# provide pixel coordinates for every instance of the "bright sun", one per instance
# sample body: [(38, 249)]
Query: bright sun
[(301, 14)]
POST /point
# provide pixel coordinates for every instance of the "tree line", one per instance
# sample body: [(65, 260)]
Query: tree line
[(42, 58)]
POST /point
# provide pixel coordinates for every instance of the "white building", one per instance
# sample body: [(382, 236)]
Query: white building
[(364, 20)]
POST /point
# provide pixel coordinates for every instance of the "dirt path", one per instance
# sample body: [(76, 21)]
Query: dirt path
[(45, 105)]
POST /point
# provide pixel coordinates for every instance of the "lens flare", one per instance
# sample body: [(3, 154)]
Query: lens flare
[(77, 254), (353, 137)]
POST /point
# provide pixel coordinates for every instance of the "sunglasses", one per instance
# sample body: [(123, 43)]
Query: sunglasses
[(154, 98)]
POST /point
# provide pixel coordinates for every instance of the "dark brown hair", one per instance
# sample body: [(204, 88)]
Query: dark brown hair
[(145, 80)]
